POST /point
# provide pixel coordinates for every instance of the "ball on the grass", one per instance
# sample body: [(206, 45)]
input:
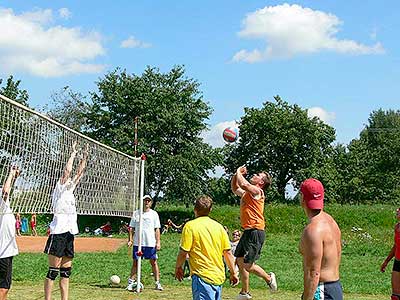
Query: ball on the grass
[(115, 280), (230, 134)]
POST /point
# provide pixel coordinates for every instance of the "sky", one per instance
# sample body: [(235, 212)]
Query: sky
[(338, 59)]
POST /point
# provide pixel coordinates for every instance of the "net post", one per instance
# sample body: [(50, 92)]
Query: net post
[(139, 252)]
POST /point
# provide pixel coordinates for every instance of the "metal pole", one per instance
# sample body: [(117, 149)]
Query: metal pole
[(139, 253)]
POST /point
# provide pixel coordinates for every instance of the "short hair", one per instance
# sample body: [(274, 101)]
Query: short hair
[(203, 205), (267, 180)]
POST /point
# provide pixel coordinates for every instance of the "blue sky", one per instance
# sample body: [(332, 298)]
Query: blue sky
[(339, 59)]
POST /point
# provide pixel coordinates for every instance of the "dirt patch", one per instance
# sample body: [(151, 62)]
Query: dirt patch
[(35, 244)]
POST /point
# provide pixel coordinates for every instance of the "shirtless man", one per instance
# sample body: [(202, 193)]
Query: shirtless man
[(320, 246)]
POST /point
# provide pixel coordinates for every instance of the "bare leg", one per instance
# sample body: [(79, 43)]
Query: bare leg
[(64, 282), (134, 269), (3, 294), (257, 270), (55, 262), (244, 275), (155, 269)]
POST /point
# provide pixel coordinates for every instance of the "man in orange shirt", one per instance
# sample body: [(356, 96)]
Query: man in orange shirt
[(252, 220)]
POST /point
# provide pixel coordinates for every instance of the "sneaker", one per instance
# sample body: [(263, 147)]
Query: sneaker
[(273, 285), (158, 287), (243, 296), (131, 285)]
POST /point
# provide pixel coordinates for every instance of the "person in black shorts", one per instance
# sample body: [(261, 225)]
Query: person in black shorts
[(60, 244), (8, 244)]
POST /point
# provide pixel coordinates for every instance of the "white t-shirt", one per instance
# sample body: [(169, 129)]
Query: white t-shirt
[(151, 221), (64, 209), (8, 244)]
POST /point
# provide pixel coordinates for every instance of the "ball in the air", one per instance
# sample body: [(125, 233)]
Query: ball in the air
[(230, 134), (115, 280)]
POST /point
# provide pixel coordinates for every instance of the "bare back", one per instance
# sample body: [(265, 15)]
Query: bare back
[(321, 247)]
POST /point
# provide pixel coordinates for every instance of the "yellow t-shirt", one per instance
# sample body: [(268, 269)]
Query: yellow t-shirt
[(206, 240)]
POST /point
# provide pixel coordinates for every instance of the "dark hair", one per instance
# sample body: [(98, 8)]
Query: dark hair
[(203, 205), (267, 180)]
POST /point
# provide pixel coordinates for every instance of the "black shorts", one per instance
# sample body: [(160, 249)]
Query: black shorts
[(396, 265), (250, 244), (60, 245), (5, 272)]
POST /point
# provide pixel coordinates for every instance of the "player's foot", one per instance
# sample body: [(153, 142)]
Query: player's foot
[(273, 285), (131, 285), (158, 286), (243, 296)]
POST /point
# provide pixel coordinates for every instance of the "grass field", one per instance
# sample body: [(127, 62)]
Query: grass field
[(367, 234)]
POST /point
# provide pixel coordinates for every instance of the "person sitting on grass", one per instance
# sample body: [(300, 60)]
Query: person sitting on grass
[(8, 244), (105, 229)]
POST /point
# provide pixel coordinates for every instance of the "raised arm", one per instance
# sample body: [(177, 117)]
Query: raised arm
[(244, 184), (82, 165), (235, 187), (13, 174), (69, 165)]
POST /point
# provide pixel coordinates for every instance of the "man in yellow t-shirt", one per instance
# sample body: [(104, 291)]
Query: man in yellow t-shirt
[(207, 243)]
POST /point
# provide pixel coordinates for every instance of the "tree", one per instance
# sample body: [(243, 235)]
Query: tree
[(12, 91), (171, 115), (373, 171), (69, 108), (281, 139)]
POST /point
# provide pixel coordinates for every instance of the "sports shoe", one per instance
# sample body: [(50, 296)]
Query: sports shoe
[(158, 286), (273, 285), (131, 285), (243, 296)]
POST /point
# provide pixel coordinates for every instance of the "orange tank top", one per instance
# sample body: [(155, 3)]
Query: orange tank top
[(252, 211), (397, 242)]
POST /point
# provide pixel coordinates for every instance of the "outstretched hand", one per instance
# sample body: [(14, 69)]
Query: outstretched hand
[(383, 266)]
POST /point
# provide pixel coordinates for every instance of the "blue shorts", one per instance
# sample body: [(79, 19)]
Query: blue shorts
[(148, 252), (329, 291), (202, 290)]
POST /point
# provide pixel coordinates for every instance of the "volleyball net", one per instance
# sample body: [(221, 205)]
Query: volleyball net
[(40, 148)]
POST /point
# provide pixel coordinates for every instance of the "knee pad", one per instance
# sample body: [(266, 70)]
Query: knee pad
[(65, 272), (52, 273), (395, 297)]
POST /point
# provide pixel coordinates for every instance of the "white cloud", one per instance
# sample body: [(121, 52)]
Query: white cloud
[(28, 44), (323, 115), (214, 135), (132, 42), (290, 30), (64, 13)]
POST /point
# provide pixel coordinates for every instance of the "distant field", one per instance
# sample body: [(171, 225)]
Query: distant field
[(367, 233)]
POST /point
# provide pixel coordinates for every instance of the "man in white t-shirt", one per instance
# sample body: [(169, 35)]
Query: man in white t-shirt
[(8, 244), (150, 241), (60, 244)]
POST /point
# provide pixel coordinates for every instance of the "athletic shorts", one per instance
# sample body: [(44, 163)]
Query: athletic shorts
[(396, 265), (329, 291), (60, 245), (148, 252), (202, 290), (250, 244), (5, 272)]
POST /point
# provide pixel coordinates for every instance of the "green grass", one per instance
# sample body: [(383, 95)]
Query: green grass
[(363, 252)]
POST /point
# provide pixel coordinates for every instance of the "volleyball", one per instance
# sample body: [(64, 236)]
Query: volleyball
[(230, 134), (115, 280)]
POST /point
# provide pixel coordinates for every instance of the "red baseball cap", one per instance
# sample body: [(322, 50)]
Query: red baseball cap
[(313, 193)]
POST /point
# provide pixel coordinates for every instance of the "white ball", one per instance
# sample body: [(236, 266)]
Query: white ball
[(115, 279)]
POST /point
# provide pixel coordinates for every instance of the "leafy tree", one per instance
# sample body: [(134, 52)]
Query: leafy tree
[(220, 191), (13, 91), (374, 161), (171, 115), (69, 108), (281, 139)]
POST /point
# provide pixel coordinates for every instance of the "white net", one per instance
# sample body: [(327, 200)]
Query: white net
[(41, 147)]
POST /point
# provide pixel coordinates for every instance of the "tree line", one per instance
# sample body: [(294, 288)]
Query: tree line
[(278, 137)]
